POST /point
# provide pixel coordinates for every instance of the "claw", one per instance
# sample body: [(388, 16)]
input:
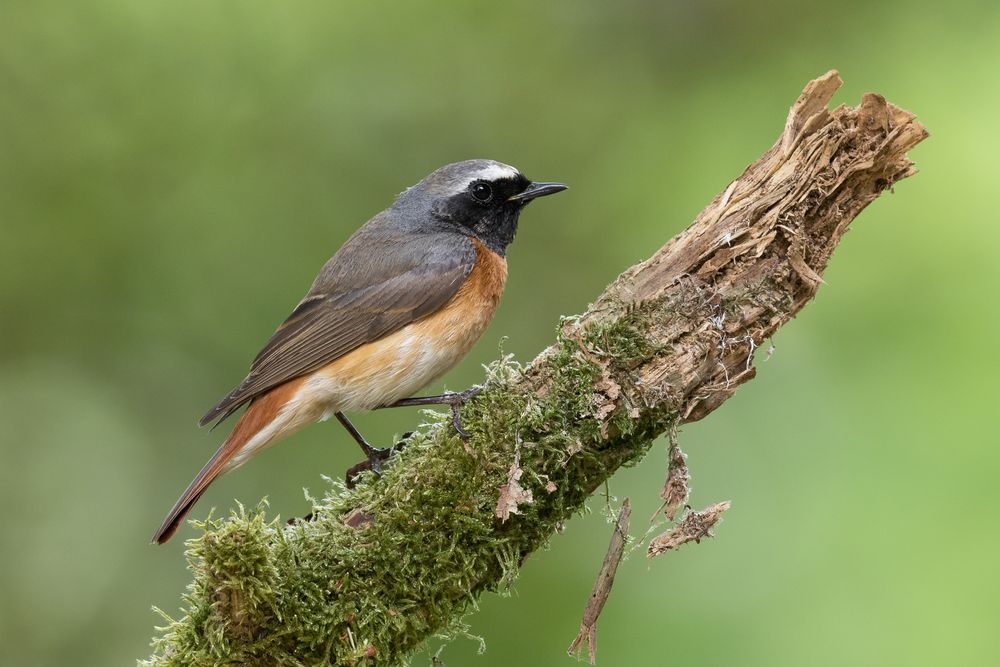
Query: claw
[(377, 456), (456, 421), (455, 401)]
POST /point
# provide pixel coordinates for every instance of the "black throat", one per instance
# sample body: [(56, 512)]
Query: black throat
[(494, 223)]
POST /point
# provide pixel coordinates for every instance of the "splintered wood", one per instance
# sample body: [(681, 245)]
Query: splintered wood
[(602, 587), (756, 254)]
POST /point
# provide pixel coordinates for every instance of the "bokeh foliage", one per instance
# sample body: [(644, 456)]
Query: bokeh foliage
[(172, 174)]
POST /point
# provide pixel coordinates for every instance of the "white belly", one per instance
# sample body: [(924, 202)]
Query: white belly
[(403, 364), (375, 375)]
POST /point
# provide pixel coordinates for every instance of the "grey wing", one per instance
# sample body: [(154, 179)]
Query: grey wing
[(376, 284)]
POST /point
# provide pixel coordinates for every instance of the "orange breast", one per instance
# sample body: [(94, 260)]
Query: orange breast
[(480, 293)]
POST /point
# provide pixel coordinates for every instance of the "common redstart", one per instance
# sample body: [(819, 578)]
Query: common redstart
[(398, 305)]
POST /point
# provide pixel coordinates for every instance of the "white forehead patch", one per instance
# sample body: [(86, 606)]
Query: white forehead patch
[(494, 172), (491, 172)]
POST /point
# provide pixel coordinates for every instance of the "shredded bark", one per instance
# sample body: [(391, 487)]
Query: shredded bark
[(512, 494), (675, 489), (694, 527)]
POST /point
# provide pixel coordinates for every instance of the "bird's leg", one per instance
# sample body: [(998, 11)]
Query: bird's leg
[(454, 400), (375, 456)]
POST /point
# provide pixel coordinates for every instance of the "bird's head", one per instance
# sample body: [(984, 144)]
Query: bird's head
[(481, 198)]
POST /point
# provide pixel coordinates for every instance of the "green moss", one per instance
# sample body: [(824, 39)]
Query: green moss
[(624, 340), (323, 592)]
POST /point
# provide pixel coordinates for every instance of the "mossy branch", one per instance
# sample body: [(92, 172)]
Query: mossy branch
[(382, 567)]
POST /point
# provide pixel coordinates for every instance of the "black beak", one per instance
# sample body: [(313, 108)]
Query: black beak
[(536, 190)]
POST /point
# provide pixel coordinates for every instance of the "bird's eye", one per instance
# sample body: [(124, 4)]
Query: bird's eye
[(482, 191)]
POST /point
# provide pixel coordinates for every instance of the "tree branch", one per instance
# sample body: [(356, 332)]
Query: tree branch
[(384, 566)]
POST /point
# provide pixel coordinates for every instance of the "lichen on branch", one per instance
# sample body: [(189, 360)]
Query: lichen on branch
[(382, 567)]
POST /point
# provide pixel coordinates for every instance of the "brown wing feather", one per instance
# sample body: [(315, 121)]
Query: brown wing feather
[(384, 278)]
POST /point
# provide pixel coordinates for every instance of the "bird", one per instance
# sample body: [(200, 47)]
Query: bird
[(398, 305)]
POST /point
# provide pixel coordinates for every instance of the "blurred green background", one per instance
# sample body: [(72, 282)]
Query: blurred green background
[(173, 174)]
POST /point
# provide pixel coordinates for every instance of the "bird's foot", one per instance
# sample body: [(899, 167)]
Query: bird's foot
[(454, 400), (377, 456)]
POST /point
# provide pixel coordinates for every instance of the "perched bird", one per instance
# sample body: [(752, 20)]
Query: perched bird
[(398, 305)]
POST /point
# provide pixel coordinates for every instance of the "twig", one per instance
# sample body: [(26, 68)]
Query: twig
[(602, 587)]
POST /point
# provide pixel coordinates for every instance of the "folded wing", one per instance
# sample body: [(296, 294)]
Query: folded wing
[(381, 280)]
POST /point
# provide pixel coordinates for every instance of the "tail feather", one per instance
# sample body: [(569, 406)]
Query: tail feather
[(195, 489), (261, 412)]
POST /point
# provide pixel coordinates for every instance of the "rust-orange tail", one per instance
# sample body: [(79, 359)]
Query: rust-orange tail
[(258, 414), (191, 495)]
